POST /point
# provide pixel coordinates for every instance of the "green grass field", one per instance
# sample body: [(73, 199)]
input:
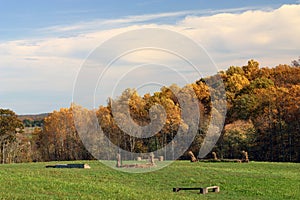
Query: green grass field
[(237, 181)]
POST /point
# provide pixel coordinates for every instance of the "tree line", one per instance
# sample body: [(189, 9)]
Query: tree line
[(263, 108)]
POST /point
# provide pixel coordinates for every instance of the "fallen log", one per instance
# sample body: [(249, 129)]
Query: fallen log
[(83, 166)]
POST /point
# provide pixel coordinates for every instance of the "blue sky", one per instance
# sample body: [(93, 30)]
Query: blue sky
[(44, 43), (21, 19)]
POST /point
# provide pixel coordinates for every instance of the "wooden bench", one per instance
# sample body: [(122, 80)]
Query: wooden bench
[(204, 190)]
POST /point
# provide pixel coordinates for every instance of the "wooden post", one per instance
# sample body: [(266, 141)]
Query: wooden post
[(160, 158), (203, 190), (214, 155), (152, 158), (193, 158), (119, 160), (245, 156)]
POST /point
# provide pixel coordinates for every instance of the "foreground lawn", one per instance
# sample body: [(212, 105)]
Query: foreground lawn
[(237, 181)]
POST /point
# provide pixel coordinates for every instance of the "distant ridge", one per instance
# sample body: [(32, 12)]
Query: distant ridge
[(33, 117)]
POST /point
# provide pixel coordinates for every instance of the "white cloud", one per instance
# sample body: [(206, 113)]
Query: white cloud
[(266, 35), (231, 37), (103, 24)]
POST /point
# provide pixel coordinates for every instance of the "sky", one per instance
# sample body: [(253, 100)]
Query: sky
[(44, 45)]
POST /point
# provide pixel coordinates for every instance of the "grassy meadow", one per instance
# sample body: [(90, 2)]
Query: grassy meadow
[(252, 180)]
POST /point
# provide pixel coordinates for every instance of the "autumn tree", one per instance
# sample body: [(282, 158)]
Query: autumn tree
[(262, 119), (10, 125), (59, 139)]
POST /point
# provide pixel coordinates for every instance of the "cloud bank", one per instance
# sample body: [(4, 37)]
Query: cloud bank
[(37, 75)]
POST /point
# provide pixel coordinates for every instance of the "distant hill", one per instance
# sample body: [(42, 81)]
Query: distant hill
[(33, 117), (33, 120)]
